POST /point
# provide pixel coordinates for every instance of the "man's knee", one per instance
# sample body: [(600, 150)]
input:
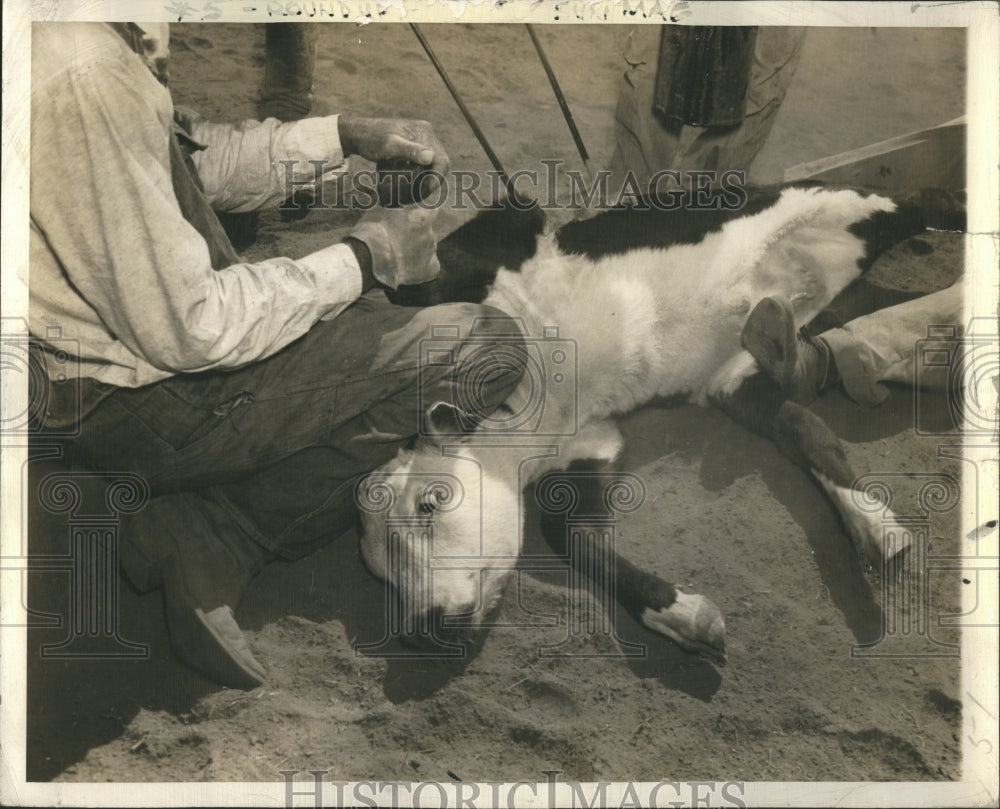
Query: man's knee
[(463, 319), (498, 368), (490, 356)]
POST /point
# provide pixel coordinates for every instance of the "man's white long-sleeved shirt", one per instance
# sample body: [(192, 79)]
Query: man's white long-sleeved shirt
[(114, 265)]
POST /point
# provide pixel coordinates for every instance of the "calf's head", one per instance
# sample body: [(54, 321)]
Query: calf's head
[(441, 524)]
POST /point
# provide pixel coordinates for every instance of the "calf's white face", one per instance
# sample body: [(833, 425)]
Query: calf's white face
[(443, 530)]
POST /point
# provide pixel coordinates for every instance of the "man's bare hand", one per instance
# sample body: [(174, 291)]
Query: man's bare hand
[(381, 139)]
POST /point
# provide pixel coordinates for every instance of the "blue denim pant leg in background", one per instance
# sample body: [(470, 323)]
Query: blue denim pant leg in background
[(270, 454), (288, 75), (880, 347)]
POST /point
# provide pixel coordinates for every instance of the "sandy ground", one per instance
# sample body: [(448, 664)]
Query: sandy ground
[(725, 513)]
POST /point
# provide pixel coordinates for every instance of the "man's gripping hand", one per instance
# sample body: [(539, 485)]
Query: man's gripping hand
[(383, 139), (401, 243)]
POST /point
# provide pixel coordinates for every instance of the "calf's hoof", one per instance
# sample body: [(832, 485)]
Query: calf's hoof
[(866, 519), (694, 623)]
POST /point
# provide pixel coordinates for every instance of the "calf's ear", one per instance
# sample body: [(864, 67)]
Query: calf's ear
[(443, 421)]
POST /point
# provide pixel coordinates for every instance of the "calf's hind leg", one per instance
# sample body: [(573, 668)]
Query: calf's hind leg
[(805, 438)]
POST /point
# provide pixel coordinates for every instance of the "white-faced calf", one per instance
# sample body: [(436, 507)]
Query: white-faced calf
[(650, 304)]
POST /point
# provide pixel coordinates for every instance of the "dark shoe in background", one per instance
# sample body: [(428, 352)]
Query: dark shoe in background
[(287, 96), (241, 228)]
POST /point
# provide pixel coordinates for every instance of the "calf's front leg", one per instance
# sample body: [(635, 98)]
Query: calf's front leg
[(577, 506)]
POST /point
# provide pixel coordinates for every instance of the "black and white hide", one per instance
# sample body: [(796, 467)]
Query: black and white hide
[(652, 303)]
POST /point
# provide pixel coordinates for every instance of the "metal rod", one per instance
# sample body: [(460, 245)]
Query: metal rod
[(567, 114), (465, 110)]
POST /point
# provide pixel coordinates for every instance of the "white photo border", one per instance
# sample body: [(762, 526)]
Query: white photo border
[(980, 650)]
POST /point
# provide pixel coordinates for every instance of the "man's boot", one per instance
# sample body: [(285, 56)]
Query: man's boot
[(203, 563), (803, 366), (203, 630)]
